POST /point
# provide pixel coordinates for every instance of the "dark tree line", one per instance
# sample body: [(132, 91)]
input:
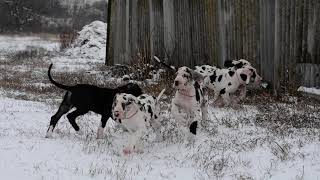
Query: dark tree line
[(48, 15)]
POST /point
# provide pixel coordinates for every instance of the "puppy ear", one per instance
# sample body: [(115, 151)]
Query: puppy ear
[(197, 76), (115, 97), (246, 75), (114, 101), (239, 65), (245, 62), (228, 63), (133, 99)]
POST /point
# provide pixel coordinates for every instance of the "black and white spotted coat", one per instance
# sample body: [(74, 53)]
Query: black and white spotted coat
[(189, 105), (227, 81), (137, 115)]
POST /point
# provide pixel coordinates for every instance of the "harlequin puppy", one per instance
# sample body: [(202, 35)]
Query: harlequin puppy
[(227, 81), (255, 79), (137, 114), (189, 103), (87, 98), (207, 70)]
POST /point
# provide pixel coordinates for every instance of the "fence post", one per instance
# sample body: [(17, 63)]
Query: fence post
[(108, 32), (127, 35), (151, 29), (276, 59), (221, 32)]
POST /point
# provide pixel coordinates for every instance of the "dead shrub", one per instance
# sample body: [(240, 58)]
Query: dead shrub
[(30, 53), (66, 39), (282, 119)]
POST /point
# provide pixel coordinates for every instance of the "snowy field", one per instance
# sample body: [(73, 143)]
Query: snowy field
[(243, 151), (263, 138), (11, 44)]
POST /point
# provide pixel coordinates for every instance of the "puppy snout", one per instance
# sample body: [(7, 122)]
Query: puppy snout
[(116, 114)]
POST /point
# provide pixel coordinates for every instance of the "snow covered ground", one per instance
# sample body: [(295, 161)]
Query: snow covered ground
[(264, 140), (309, 90), (11, 44), (233, 148)]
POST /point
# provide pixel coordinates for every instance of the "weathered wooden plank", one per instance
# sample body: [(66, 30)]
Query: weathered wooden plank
[(152, 28), (222, 32), (211, 31), (291, 44), (285, 44), (118, 32), (246, 30), (316, 49), (276, 84), (195, 31), (233, 27), (261, 47), (309, 74), (127, 28), (133, 29), (169, 31), (109, 54)]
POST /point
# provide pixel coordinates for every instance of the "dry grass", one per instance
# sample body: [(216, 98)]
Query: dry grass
[(66, 39)]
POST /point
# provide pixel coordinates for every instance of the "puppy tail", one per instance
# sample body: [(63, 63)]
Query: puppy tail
[(165, 64), (61, 86), (160, 94)]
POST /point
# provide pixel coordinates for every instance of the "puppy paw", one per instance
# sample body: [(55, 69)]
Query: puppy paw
[(139, 151), (127, 151), (158, 138), (100, 133), (191, 140), (48, 135), (49, 132), (100, 137), (80, 133), (236, 106)]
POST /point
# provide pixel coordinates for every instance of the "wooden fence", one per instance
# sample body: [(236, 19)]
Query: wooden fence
[(280, 37)]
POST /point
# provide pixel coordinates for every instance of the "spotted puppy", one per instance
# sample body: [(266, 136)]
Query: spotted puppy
[(137, 114), (255, 79), (227, 81), (189, 103)]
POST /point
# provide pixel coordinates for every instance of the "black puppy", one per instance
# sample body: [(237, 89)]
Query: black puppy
[(87, 98)]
